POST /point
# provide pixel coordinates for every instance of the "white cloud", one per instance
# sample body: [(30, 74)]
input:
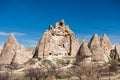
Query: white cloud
[(1, 43), (8, 33), (4, 34), (29, 43)]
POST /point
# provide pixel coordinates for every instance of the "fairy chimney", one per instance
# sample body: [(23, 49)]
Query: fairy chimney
[(84, 53), (106, 45), (9, 49), (95, 47), (57, 41)]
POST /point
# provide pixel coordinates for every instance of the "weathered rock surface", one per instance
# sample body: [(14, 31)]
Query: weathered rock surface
[(84, 52), (21, 56), (12, 52), (9, 49), (1, 47), (95, 47), (58, 40), (115, 53), (117, 49), (106, 45)]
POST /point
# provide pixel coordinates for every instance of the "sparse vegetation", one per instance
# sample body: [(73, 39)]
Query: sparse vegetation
[(31, 61), (46, 61), (5, 75), (36, 73)]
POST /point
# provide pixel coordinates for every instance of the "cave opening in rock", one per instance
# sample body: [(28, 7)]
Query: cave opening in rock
[(50, 53), (61, 23)]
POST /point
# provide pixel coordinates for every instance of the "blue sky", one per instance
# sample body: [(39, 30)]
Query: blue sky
[(28, 19)]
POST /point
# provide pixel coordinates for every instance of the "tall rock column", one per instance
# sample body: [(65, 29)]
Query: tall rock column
[(106, 45), (13, 54), (95, 47), (57, 41), (9, 48)]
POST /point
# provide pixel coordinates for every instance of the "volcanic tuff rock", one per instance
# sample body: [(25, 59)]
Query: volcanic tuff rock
[(9, 49), (115, 53), (106, 45), (84, 52), (117, 49), (95, 47), (58, 40), (1, 47), (21, 56), (12, 52)]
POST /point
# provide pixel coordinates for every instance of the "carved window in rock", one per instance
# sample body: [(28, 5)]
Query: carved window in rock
[(58, 31), (61, 23), (63, 45), (50, 53), (69, 54), (60, 54), (52, 34), (59, 27)]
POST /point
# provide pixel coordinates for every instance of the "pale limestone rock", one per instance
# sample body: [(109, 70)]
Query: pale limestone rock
[(95, 47), (9, 49), (58, 40), (106, 45)]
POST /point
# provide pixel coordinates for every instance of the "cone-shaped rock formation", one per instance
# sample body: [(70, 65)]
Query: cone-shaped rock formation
[(106, 45), (84, 50), (84, 53), (9, 49), (12, 53), (95, 47)]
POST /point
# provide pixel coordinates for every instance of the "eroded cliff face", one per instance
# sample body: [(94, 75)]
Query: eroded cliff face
[(115, 52), (57, 41)]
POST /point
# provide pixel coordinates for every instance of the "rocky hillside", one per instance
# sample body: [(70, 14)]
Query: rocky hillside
[(57, 41)]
